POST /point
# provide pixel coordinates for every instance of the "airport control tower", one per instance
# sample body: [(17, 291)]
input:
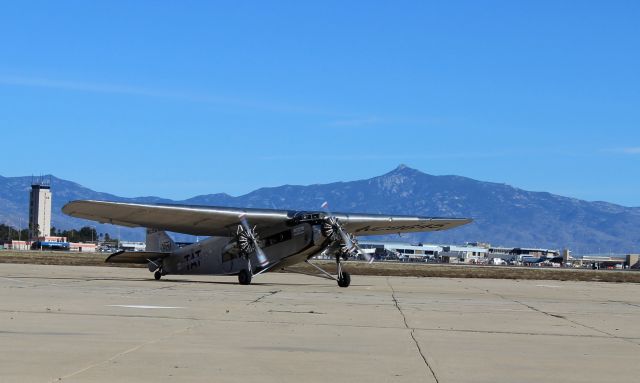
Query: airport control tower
[(40, 209)]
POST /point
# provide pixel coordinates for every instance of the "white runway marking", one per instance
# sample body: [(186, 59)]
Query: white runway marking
[(550, 286), (145, 307)]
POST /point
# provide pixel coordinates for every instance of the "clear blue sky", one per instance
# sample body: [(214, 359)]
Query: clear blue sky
[(182, 98)]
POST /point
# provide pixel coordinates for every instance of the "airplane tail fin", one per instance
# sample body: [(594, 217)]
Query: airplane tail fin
[(159, 241)]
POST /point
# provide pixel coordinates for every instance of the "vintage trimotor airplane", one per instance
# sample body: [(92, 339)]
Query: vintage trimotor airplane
[(280, 238)]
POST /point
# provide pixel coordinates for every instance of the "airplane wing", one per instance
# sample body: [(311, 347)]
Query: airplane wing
[(374, 224), (223, 221), (195, 220)]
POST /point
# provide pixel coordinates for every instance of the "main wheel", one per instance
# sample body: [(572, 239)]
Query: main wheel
[(344, 280), (244, 277), (157, 275)]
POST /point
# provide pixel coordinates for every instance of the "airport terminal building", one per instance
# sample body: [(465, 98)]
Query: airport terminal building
[(424, 252)]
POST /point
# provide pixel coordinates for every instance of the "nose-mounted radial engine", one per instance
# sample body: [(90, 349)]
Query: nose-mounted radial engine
[(348, 245), (346, 242), (343, 245)]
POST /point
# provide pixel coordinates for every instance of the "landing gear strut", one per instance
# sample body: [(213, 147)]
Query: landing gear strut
[(343, 278)]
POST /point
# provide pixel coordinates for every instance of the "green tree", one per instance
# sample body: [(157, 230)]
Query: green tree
[(8, 233)]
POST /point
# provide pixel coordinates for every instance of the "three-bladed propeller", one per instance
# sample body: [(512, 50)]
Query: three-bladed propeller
[(248, 241), (332, 227)]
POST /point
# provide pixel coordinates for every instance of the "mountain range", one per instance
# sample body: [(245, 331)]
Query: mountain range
[(503, 215)]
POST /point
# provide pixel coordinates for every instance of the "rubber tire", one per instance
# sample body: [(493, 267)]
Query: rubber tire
[(244, 277), (345, 280), (157, 275)]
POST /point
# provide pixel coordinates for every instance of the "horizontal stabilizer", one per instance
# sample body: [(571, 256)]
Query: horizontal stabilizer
[(140, 257)]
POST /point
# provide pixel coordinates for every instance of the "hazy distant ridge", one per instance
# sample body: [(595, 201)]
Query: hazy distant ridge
[(503, 215)]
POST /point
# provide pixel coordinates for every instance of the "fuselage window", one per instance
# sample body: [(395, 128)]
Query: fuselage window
[(277, 238)]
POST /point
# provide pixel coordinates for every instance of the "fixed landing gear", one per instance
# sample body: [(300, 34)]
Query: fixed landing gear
[(244, 277), (342, 277), (344, 280), (156, 268)]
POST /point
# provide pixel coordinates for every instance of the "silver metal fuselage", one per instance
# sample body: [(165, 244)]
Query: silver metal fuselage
[(284, 245)]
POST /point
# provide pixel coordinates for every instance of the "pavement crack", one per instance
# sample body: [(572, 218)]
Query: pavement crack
[(412, 333), (625, 303), (270, 293), (295, 312), (543, 312), (613, 336)]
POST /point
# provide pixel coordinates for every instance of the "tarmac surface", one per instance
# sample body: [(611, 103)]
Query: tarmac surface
[(97, 324)]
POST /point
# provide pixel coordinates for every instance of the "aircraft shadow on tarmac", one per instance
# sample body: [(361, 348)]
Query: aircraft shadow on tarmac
[(153, 282), (165, 280)]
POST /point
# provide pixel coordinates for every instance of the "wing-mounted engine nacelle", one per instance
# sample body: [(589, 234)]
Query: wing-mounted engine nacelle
[(246, 240), (249, 242)]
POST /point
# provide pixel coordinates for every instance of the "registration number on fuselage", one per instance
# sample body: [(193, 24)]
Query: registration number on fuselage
[(192, 260)]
